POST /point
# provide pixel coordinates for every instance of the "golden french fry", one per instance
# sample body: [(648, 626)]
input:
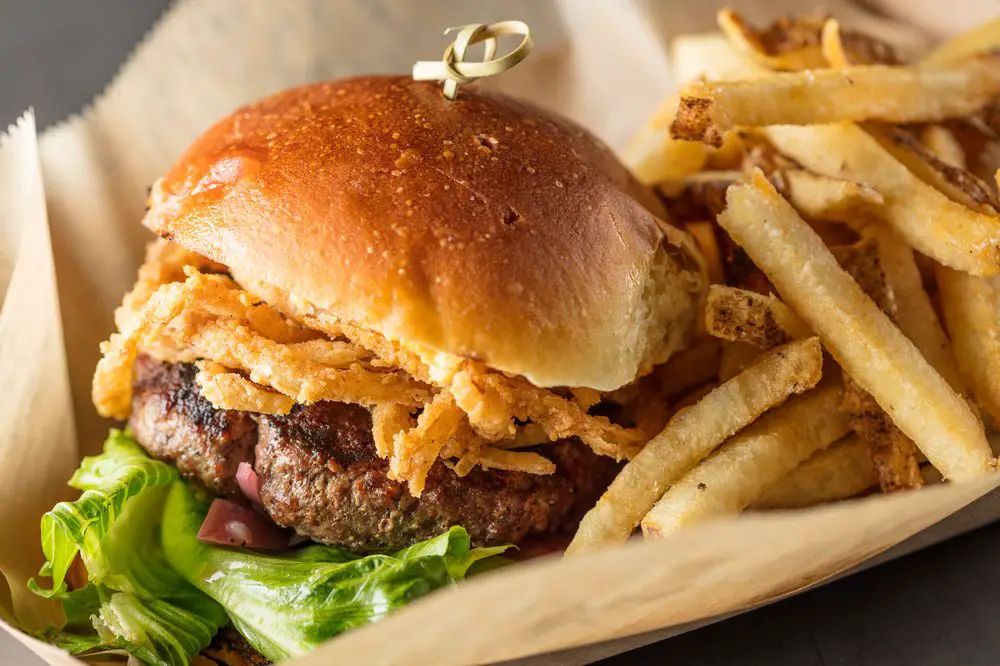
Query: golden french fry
[(954, 182), (835, 473), (914, 314), (820, 197), (707, 109), (695, 365), (735, 475), (728, 155), (971, 308), (893, 454), (845, 48), (861, 261), (691, 435), (710, 56), (982, 39), (654, 156), (930, 222), (738, 315), (942, 143), (735, 357), (815, 196), (832, 45), (859, 335), (704, 237), (790, 44)]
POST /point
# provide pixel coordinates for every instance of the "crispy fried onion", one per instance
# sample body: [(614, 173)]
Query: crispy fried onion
[(165, 262), (492, 400), (210, 317), (230, 390), (263, 350), (495, 401), (495, 458), (388, 419)]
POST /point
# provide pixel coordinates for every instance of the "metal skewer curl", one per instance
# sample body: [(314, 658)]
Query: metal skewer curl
[(455, 71)]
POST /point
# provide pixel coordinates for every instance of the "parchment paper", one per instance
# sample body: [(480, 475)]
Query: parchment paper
[(602, 62)]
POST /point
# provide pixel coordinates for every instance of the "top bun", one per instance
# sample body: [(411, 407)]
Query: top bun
[(482, 227)]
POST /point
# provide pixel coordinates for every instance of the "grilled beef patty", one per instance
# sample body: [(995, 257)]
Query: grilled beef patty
[(320, 474), (175, 423)]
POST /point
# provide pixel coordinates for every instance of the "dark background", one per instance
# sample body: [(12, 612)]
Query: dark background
[(939, 606)]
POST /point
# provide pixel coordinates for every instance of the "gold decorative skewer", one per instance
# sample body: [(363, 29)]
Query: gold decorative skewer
[(455, 71)]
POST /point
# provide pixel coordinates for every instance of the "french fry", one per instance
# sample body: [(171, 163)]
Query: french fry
[(704, 237), (695, 365), (914, 314), (815, 196), (735, 357), (845, 48), (711, 56), (860, 336), (820, 197), (942, 143), (738, 315), (789, 44), (654, 156), (735, 475), (728, 155), (691, 435), (930, 222), (708, 109), (969, 305), (982, 39), (832, 45), (971, 309), (838, 472), (893, 454), (954, 182), (862, 262)]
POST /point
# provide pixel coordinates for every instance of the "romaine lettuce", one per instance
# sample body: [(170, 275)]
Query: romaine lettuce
[(287, 604), (157, 592), (134, 602)]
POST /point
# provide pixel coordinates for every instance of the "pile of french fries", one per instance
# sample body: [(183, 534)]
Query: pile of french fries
[(846, 200)]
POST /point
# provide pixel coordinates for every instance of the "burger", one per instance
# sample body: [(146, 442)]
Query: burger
[(383, 337)]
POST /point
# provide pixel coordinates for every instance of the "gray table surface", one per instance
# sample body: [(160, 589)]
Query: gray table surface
[(939, 606)]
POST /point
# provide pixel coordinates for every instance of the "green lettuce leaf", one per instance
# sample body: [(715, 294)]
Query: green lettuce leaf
[(158, 632), (287, 604), (123, 499), (159, 594), (135, 602)]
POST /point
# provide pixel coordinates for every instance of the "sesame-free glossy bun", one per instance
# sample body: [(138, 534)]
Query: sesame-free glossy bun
[(483, 227)]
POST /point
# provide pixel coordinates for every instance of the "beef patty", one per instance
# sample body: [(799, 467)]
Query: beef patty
[(175, 423), (320, 474)]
